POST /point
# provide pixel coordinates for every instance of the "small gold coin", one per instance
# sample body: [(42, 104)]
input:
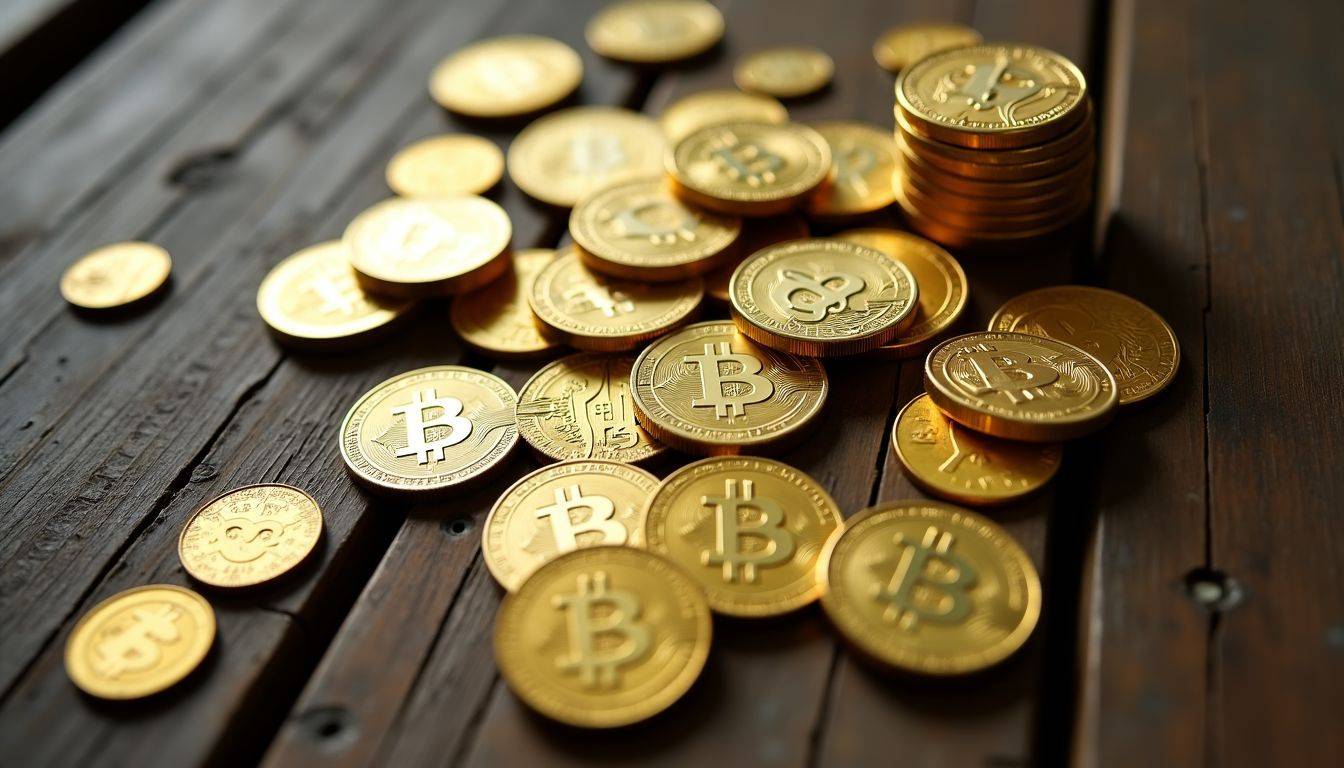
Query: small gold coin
[(655, 31), (496, 320), (429, 430), (603, 637), (558, 509), (749, 169), (749, 530), (708, 389), (822, 297), (596, 313), (863, 159), (250, 535), (1131, 340), (443, 166), (116, 275), (952, 462), (506, 76), (578, 407), (565, 156), (930, 588), (705, 108), (756, 234), (785, 72), (899, 47), (1020, 387), (139, 642)]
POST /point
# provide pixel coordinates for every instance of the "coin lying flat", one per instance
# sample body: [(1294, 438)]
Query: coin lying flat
[(579, 407), (863, 158), (705, 108), (749, 169), (930, 588), (496, 320), (506, 76), (116, 275), (655, 31), (250, 535), (443, 166), (756, 234), (562, 157), (603, 637), (786, 72), (899, 47), (139, 642)]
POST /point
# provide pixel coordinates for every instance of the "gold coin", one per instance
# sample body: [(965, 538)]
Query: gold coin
[(708, 389), (977, 237), (863, 159), (636, 229), (443, 166), (603, 637), (749, 169), (116, 275), (578, 407), (928, 149), (596, 313), (1134, 343), (506, 76), (1020, 387), (250, 535), (496, 321), (562, 157), (1080, 153), (786, 72), (822, 297), (995, 222), (899, 47), (1054, 199), (748, 530), (139, 642), (756, 234), (1071, 177), (429, 430), (418, 248), (705, 108), (930, 588), (654, 31), (950, 461), (558, 509)]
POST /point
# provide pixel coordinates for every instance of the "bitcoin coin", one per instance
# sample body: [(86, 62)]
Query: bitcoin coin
[(899, 47), (578, 407), (603, 637), (429, 430), (705, 108), (1134, 343), (506, 76), (708, 389), (139, 642), (443, 166), (863, 159), (931, 150), (250, 535), (1020, 387), (822, 297), (756, 234), (748, 530), (785, 72), (116, 275), (930, 588), (561, 508), (596, 313), (1071, 177), (562, 157), (654, 31), (749, 169), (419, 248), (496, 320), (636, 229)]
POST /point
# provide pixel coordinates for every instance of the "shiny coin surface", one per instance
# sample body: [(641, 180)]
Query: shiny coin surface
[(756, 234), (822, 297), (496, 320), (312, 299), (116, 275), (250, 535), (578, 407), (565, 156), (749, 169), (786, 72), (932, 150), (705, 108), (429, 430), (443, 166), (930, 588), (561, 508), (1131, 340), (708, 389), (655, 31), (899, 47), (603, 637), (139, 642), (863, 158), (506, 76), (1020, 387)]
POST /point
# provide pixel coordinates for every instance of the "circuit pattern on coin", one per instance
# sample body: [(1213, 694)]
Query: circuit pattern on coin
[(579, 407)]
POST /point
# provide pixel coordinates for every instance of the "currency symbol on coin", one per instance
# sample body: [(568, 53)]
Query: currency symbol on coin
[(659, 223), (597, 667), (951, 582), (729, 530), (423, 236), (998, 87), (587, 298), (748, 162), (852, 161), (417, 427), (601, 511), (338, 296), (241, 540), (728, 392), (136, 647), (595, 153), (1014, 375), (811, 298)]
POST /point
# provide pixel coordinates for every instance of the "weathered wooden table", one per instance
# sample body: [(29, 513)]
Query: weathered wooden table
[(1192, 554)]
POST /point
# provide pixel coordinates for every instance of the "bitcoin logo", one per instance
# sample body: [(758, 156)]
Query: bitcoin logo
[(336, 296), (852, 162), (595, 154), (658, 222), (729, 392), (600, 513), (599, 298), (997, 87), (919, 591), (1014, 375), (729, 530), (597, 667), (811, 298), (748, 162), (240, 540), (420, 236), (136, 647), (417, 427)]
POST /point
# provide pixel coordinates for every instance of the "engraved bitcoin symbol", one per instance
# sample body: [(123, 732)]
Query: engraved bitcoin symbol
[(748, 162), (729, 530), (951, 463), (747, 384), (601, 510), (588, 298), (811, 298), (136, 647), (1080, 329), (907, 594), (659, 223), (999, 87), (599, 669), (852, 161), (338, 296), (417, 427), (1014, 375), (420, 236), (240, 540), (595, 154)]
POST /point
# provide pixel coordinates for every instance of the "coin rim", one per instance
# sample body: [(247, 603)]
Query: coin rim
[(312, 545), (491, 109), (285, 332), (889, 62), (671, 118), (473, 341), (748, 202), (151, 248), (496, 156), (691, 46), (821, 204), (746, 77)]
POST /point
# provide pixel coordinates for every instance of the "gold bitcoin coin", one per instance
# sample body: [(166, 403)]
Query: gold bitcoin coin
[(496, 320), (749, 169), (899, 47), (561, 508), (1020, 387), (785, 72), (863, 159), (708, 389), (250, 535), (506, 76), (116, 275), (705, 108), (429, 430), (931, 150), (565, 156), (139, 642), (756, 234), (578, 407), (822, 297), (596, 313), (443, 166), (930, 588), (655, 31), (748, 530), (603, 637)]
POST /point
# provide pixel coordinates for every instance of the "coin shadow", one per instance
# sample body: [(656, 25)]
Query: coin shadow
[(420, 338), (185, 690), (126, 312)]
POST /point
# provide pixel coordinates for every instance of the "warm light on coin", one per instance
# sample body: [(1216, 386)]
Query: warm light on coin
[(312, 299), (496, 321), (787, 72), (250, 535), (116, 275), (654, 31), (443, 166), (705, 108), (863, 158), (579, 407), (749, 169), (506, 76), (756, 234), (565, 156), (899, 47)]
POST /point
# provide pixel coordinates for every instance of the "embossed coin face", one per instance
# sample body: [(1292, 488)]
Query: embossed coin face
[(250, 535), (1020, 387), (561, 508), (565, 156), (312, 299), (899, 47), (496, 320), (578, 407), (704, 108), (443, 166), (428, 430), (116, 275), (1131, 340), (708, 389), (506, 76), (863, 158), (139, 642), (603, 637), (749, 530), (749, 169), (655, 31), (786, 72), (756, 234)]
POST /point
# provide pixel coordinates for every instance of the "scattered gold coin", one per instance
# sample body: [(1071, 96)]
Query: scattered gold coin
[(578, 407), (496, 320), (756, 234), (863, 158), (250, 535), (785, 72), (506, 76), (705, 108), (562, 157), (749, 169), (899, 47), (443, 166), (655, 31), (116, 275)]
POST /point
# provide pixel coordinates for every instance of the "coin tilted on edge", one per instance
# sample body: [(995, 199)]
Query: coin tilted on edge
[(116, 275), (563, 157), (756, 234), (442, 166), (863, 159), (749, 169), (579, 407), (654, 31), (496, 321), (705, 108), (787, 72), (506, 76), (899, 47), (250, 535)]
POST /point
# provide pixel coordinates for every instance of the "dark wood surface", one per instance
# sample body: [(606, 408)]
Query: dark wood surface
[(1192, 554)]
